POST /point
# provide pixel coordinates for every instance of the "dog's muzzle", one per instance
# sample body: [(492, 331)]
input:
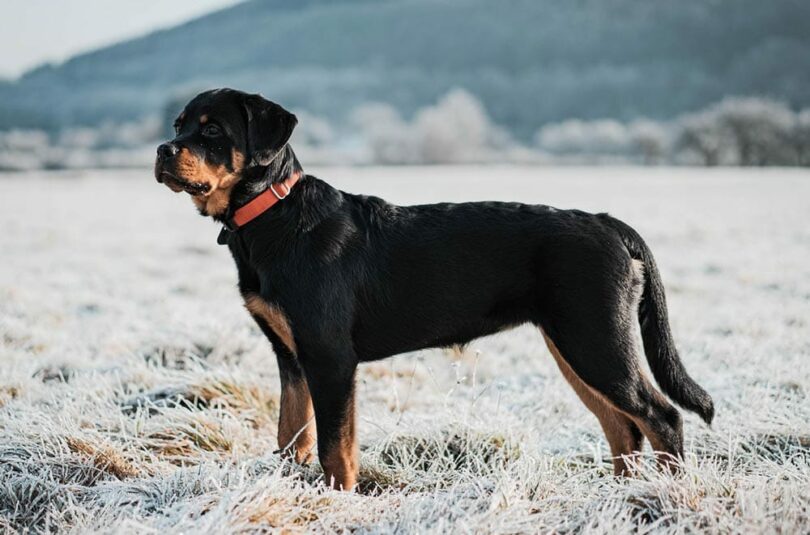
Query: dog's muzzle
[(165, 154)]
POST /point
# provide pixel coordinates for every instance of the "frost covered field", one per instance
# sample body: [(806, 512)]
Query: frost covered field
[(137, 396)]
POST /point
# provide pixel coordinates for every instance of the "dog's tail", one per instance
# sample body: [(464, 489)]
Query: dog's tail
[(659, 345)]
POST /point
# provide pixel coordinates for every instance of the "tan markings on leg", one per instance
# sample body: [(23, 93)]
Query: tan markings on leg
[(615, 424), (296, 423), (340, 465), (219, 178), (274, 317)]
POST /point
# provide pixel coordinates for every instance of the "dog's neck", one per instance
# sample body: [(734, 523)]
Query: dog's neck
[(256, 179), (310, 200)]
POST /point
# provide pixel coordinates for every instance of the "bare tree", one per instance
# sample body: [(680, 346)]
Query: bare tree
[(457, 129), (761, 130), (390, 139), (701, 135), (741, 131), (801, 137), (650, 139), (603, 137)]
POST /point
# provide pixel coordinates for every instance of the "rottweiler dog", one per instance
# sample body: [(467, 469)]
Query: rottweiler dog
[(334, 279)]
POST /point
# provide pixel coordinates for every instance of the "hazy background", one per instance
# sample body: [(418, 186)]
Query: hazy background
[(721, 82)]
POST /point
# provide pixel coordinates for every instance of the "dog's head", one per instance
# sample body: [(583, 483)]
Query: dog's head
[(220, 134)]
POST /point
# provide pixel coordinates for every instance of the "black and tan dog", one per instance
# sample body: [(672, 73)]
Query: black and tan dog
[(335, 279)]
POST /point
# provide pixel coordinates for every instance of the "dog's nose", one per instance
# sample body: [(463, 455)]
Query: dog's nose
[(166, 151)]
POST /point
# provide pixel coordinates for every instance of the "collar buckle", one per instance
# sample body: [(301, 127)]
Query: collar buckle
[(280, 197)]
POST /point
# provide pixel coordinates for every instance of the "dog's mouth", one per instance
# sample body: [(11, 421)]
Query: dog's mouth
[(177, 184)]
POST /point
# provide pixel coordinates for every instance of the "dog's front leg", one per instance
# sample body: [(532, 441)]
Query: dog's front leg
[(296, 421), (296, 429), (331, 383)]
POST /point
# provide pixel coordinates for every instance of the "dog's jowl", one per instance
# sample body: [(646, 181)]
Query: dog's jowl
[(335, 279)]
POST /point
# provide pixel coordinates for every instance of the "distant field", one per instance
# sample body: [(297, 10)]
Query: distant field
[(137, 396)]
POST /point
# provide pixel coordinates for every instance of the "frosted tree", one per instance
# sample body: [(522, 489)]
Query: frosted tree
[(761, 130), (455, 130), (701, 136), (741, 131), (650, 140), (577, 137), (801, 137), (389, 137)]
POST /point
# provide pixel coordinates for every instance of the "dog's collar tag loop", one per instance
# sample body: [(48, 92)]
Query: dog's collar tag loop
[(224, 234)]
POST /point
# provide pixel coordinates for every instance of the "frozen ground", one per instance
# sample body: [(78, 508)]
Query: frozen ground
[(137, 396)]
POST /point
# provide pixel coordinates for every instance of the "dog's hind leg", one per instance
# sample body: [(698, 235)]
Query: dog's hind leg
[(590, 328), (623, 435), (604, 365)]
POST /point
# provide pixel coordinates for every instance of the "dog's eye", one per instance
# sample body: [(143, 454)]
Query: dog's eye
[(211, 130), (176, 126)]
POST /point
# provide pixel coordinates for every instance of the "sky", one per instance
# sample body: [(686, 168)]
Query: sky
[(33, 32)]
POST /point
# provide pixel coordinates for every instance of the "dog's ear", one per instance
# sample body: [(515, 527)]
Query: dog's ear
[(269, 127)]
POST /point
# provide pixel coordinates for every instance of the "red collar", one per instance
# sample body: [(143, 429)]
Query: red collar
[(263, 202)]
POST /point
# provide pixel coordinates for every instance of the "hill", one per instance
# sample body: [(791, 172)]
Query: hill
[(528, 61)]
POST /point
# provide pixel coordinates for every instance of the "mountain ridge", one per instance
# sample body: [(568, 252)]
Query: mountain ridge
[(529, 61)]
